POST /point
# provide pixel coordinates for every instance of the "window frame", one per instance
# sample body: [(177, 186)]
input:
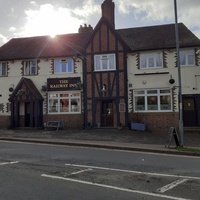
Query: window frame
[(28, 67), (59, 66), (5, 66), (145, 93), (145, 58), (99, 65), (186, 53), (59, 97)]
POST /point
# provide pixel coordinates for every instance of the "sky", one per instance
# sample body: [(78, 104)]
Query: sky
[(26, 18)]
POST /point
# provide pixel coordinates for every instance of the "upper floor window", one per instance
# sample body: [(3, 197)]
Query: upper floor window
[(3, 69), (65, 65), (104, 62), (187, 57), (30, 67), (151, 60)]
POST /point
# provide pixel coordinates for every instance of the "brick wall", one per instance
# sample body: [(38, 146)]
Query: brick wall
[(156, 121), (4, 121), (70, 121)]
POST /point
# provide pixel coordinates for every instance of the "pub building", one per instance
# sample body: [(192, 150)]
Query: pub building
[(101, 78)]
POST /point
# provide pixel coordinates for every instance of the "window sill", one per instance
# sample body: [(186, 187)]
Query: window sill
[(152, 73), (64, 113)]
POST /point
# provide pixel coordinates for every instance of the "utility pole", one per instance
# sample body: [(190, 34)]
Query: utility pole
[(180, 101)]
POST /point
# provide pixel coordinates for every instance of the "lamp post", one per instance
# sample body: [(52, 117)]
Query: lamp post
[(180, 103)]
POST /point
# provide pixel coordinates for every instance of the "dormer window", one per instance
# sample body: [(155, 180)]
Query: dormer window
[(151, 60), (65, 65)]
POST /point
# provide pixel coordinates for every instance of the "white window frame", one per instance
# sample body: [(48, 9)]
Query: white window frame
[(104, 62), (3, 69), (57, 96), (147, 57), (61, 66), (146, 93), (30, 67), (186, 53)]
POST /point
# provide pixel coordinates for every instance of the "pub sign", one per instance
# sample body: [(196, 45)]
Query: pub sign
[(61, 84)]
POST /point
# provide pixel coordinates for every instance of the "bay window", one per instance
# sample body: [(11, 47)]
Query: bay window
[(64, 102), (152, 100)]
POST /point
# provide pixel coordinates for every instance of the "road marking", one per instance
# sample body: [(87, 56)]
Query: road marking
[(9, 163), (81, 171), (171, 185), (113, 187), (135, 172)]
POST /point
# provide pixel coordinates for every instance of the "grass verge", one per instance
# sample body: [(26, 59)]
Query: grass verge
[(189, 149)]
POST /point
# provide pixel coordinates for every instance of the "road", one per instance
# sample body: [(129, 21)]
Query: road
[(50, 172)]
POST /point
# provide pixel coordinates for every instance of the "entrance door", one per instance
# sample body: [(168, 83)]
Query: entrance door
[(107, 114), (189, 112), (27, 114)]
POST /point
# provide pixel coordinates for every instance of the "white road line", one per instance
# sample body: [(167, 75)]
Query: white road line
[(171, 185), (9, 163), (134, 172), (81, 171), (113, 187)]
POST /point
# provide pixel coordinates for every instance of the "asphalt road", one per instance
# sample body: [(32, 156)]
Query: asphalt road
[(47, 172)]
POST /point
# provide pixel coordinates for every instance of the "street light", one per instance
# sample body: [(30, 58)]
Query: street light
[(181, 131)]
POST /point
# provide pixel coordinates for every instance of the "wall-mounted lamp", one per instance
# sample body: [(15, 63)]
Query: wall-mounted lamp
[(11, 88), (103, 89), (171, 80)]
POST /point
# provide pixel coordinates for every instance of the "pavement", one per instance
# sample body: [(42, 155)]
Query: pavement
[(156, 142)]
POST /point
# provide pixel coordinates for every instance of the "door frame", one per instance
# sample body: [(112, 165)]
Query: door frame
[(107, 113)]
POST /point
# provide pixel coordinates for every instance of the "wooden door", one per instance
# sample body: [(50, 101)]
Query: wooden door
[(107, 114), (189, 112)]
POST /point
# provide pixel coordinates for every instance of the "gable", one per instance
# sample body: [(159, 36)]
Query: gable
[(105, 39), (25, 90)]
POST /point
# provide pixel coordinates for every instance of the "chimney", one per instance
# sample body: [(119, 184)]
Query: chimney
[(108, 11), (85, 28)]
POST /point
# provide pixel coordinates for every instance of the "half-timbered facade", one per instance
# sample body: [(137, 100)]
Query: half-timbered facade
[(106, 74)]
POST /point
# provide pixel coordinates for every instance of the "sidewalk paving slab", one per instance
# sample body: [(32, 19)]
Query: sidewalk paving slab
[(104, 138)]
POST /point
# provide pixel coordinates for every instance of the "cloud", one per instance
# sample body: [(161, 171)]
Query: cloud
[(151, 9), (12, 29), (49, 20), (148, 12), (3, 39), (88, 8)]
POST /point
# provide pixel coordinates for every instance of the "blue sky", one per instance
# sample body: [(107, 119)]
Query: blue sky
[(27, 18)]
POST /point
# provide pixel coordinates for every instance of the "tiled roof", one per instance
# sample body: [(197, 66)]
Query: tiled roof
[(142, 38), (158, 37), (44, 46)]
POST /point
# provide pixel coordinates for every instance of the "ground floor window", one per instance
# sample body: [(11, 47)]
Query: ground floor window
[(64, 102), (152, 100)]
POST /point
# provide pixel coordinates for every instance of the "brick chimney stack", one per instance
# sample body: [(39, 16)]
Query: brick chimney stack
[(85, 28), (108, 11)]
